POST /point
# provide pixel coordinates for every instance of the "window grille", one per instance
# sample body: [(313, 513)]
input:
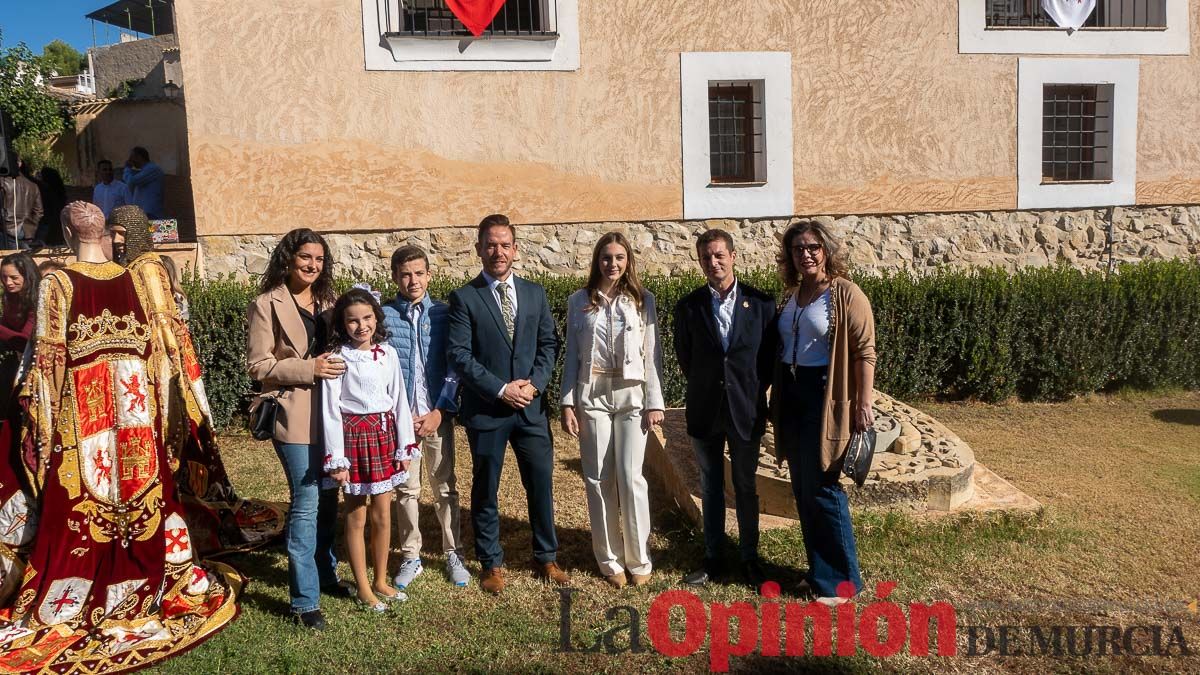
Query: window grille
[(1127, 14), (1076, 133), (735, 132), (432, 18)]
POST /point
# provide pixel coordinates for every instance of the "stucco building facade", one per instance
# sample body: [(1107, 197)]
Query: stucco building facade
[(917, 126)]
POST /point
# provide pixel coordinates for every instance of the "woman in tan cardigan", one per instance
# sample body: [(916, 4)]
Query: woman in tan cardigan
[(288, 323), (821, 393)]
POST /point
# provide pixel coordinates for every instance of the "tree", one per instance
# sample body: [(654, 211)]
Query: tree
[(23, 96), (63, 59), (34, 115)]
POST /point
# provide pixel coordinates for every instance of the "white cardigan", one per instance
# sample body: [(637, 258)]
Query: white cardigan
[(640, 339)]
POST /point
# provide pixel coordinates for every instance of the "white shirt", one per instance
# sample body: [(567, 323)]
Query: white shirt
[(109, 197), (512, 291), (420, 396), (608, 343), (723, 312), (371, 384), (804, 331), (493, 283)]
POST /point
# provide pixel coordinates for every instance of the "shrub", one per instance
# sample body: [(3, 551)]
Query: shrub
[(1041, 334)]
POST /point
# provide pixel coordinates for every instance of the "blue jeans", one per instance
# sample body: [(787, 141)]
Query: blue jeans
[(820, 500), (10, 243), (710, 457), (311, 525)]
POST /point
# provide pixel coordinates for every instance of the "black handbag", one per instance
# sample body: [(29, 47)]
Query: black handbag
[(262, 417), (859, 455)]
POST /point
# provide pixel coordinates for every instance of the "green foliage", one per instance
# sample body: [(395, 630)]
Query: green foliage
[(38, 153), (62, 58), (32, 111), (125, 88), (217, 309), (1041, 334)]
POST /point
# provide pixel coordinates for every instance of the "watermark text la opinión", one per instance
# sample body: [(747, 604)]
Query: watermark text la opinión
[(881, 629)]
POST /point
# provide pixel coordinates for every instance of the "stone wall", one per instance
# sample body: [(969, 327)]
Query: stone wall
[(133, 60), (1008, 239)]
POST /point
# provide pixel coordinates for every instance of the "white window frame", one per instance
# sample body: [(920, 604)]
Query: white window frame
[(775, 195), (470, 54), (975, 38), (1032, 75)]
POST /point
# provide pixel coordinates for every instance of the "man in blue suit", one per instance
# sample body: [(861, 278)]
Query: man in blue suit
[(503, 344), (725, 341)]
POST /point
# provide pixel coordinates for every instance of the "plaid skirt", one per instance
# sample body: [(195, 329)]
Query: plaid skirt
[(371, 448)]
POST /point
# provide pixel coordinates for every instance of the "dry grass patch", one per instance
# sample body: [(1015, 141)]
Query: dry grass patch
[(1120, 478)]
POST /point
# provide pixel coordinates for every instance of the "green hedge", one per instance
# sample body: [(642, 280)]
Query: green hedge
[(1039, 334)]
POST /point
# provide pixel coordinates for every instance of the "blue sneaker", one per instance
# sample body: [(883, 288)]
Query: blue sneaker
[(456, 570), (410, 569)]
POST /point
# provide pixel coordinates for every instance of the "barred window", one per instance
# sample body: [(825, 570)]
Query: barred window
[(735, 132), (1126, 14), (433, 18), (1076, 132)]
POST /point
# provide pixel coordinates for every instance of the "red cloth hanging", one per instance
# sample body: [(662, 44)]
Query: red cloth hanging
[(475, 14)]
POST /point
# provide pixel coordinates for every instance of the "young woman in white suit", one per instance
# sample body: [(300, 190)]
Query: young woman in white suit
[(612, 396)]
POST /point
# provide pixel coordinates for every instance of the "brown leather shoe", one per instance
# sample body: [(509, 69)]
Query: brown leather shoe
[(550, 572), (492, 580), (639, 579), (616, 580)]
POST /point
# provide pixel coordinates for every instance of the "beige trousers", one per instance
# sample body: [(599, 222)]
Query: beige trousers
[(437, 460), (612, 446)]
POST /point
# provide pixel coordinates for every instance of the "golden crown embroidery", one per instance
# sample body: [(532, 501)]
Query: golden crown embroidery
[(91, 334)]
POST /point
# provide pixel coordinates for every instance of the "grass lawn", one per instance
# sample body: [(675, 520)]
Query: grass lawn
[(1118, 545)]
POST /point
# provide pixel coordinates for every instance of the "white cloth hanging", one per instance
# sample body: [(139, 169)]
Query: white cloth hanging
[(1069, 14)]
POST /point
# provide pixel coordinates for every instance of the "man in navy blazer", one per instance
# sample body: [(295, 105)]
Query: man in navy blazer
[(503, 344), (725, 341)]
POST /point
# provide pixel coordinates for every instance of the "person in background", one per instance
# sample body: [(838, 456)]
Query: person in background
[(725, 342), (47, 266), (19, 278), (54, 198), (611, 397), (20, 210), (145, 182), (417, 328), (821, 392), (110, 192)]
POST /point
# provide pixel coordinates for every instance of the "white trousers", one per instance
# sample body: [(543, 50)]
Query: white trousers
[(612, 446)]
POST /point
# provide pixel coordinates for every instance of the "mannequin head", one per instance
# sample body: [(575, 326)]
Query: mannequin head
[(83, 228)]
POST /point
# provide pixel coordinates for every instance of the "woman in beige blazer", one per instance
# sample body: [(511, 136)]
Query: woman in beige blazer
[(822, 391), (288, 323)]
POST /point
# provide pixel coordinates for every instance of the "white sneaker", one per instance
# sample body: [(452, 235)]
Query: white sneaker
[(410, 569), (456, 570)]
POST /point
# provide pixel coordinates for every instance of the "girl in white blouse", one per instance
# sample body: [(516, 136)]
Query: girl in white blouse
[(611, 397), (368, 437)]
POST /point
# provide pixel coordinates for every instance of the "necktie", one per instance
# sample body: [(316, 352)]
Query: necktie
[(506, 309)]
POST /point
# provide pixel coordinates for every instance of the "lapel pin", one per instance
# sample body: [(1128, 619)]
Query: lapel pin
[(746, 304)]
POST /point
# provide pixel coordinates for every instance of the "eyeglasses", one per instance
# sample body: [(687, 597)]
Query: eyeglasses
[(811, 249)]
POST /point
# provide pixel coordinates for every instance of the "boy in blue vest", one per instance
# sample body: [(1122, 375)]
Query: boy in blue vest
[(417, 329)]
